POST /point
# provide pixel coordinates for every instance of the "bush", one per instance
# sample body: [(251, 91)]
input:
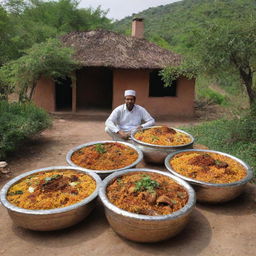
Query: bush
[(236, 137), (19, 121), (212, 96)]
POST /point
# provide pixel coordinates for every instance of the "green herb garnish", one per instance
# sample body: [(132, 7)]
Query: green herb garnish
[(154, 138), (17, 192), (146, 184), (119, 181), (100, 148), (218, 162), (53, 177)]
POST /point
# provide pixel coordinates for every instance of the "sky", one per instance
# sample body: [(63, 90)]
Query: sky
[(119, 9)]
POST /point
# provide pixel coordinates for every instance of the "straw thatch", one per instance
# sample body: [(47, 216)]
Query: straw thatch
[(101, 48)]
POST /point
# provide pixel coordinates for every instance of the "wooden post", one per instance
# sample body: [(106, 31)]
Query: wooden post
[(73, 77)]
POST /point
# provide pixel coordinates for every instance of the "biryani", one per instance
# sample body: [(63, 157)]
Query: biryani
[(51, 189), (163, 136), (208, 167), (107, 156), (147, 194)]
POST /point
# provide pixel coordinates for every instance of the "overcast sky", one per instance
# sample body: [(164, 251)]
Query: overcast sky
[(119, 9)]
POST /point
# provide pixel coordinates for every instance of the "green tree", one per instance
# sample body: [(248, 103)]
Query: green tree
[(49, 59), (24, 23), (5, 31), (225, 42)]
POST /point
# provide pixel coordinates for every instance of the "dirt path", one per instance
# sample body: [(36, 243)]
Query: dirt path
[(227, 229)]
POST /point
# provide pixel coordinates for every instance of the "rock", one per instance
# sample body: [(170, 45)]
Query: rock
[(4, 171), (3, 164)]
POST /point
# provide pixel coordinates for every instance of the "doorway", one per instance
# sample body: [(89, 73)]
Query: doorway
[(63, 94), (94, 88)]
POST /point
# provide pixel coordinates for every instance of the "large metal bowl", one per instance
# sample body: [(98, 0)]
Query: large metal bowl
[(53, 219), (104, 173), (156, 153), (144, 228), (210, 192)]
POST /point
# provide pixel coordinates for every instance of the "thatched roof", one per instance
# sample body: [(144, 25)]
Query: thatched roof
[(108, 49)]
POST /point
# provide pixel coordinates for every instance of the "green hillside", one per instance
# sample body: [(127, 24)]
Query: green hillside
[(160, 23), (173, 22), (210, 31)]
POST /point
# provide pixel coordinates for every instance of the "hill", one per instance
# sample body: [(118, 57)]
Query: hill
[(175, 26), (165, 24)]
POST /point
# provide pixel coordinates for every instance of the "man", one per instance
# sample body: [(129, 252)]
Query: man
[(127, 117)]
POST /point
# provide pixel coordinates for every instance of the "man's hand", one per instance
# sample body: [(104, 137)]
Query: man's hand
[(139, 127), (124, 135)]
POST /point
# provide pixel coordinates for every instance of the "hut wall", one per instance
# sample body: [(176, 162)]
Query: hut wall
[(181, 105), (44, 94)]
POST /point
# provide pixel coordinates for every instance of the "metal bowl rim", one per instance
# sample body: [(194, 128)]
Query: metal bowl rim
[(186, 209), (70, 152), (162, 146), (246, 179), (14, 208)]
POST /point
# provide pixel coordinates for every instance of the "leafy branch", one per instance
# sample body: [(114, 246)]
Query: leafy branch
[(188, 69)]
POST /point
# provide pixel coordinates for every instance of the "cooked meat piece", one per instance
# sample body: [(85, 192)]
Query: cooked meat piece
[(164, 130), (221, 164), (149, 197), (66, 199), (202, 160), (163, 199), (74, 192), (59, 183), (170, 130), (229, 172), (74, 178)]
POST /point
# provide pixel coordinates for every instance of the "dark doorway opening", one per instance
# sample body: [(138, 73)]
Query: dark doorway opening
[(94, 88), (63, 94)]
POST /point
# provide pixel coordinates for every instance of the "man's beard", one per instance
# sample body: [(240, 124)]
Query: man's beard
[(129, 106)]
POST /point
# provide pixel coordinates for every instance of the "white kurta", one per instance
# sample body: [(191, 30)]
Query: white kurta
[(123, 119)]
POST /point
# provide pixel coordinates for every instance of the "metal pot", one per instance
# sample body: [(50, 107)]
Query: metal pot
[(210, 192), (104, 173), (52, 219), (156, 153), (144, 228)]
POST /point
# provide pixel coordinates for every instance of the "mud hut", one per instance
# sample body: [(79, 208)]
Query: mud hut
[(112, 63)]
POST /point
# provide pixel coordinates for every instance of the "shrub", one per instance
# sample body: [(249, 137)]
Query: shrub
[(236, 137), (19, 121), (212, 96)]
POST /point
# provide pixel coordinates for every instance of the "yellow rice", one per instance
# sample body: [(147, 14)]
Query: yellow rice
[(181, 163), (105, 156), (166, 139), (122, 193), (28, 193)]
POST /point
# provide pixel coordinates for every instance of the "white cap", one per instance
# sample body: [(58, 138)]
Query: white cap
[(129, 93)]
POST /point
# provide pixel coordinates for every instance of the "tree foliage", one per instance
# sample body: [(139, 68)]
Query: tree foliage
[(218, 35), (35, 21), (226, 42), (49, 59)]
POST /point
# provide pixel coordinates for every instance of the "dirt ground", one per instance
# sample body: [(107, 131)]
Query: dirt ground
[(224, 229)]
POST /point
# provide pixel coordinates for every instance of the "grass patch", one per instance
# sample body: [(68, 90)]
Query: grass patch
[(211, 96), (236, 137), (18, 122)]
